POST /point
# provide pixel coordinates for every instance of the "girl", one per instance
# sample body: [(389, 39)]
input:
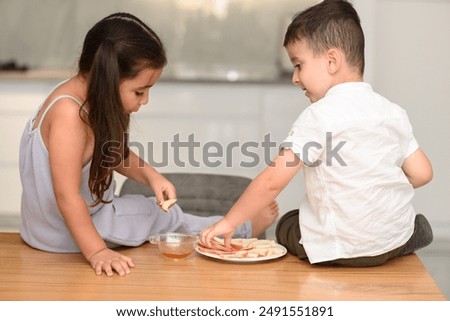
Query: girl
[(69, 151)]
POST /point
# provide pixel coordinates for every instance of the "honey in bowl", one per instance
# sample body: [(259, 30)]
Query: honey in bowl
[(175, 246), (176, 250)]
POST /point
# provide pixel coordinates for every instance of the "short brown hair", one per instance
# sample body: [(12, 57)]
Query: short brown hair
[(330, 24)]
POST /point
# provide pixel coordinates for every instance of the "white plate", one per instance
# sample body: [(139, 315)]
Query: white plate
[(245, 259)]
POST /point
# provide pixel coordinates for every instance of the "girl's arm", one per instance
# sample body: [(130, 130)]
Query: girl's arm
[(66, 144), (417, 168), (137, 169), (261, 192)]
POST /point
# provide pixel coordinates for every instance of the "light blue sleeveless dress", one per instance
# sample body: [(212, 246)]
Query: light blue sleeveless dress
[(128, 220)]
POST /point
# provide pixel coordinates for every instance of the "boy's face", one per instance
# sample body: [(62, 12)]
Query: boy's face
[(310, 72)]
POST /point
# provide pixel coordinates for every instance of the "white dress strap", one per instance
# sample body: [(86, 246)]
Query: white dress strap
[(54, 101)]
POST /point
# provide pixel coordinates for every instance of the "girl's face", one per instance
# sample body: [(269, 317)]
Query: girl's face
[(134, 92), (310, 72)]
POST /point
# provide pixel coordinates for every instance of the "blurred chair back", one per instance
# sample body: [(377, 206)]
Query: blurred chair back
[(198, 194)]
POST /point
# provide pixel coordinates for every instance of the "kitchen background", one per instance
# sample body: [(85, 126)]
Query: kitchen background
[(228, 82)]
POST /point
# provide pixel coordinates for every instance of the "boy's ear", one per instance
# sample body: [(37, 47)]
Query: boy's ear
[(334, 60)]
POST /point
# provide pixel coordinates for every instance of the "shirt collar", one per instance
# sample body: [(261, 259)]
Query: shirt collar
[(348, 86)]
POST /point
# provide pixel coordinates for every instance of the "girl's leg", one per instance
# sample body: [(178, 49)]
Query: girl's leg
[(131, 219), (195, 224)]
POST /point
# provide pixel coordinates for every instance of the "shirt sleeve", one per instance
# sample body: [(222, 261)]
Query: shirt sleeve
[(306, 138), (412, 147), (411, 144)]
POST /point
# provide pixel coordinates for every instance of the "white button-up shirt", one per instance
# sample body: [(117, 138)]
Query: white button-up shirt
[(353, 143)]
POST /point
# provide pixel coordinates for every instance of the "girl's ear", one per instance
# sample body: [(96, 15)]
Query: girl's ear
[(334, 59)]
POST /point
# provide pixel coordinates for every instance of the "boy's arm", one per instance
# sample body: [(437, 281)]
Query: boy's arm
[(261, 192), (417, 168), (265, 187)]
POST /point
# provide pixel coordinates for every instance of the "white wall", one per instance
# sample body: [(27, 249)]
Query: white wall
[(408, 44)]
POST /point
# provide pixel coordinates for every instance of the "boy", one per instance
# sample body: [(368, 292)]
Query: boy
[(361, 161)]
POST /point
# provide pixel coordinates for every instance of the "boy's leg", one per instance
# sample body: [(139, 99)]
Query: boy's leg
[(288, 234), (422, 236), (363, 261)]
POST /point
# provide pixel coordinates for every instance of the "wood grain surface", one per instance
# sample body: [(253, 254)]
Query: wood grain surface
[(29, 274)]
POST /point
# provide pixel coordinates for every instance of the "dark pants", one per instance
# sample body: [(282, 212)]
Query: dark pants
[(288, 234)]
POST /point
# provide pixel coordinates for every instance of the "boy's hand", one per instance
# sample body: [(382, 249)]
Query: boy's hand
[(109, 261), (221, 227)]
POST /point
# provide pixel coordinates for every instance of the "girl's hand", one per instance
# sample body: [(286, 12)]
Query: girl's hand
[(109, 261), (163, 189)]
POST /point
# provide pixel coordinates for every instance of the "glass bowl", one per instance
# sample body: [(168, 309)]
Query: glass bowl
[(176, 246)]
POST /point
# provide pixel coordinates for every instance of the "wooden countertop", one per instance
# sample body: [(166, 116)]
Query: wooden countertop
[(29, 274)]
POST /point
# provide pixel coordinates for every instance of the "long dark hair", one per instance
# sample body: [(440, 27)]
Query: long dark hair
[(116, 48)]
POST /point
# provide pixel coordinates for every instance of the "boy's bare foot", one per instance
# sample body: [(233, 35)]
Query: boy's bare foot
[(266, 218)]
